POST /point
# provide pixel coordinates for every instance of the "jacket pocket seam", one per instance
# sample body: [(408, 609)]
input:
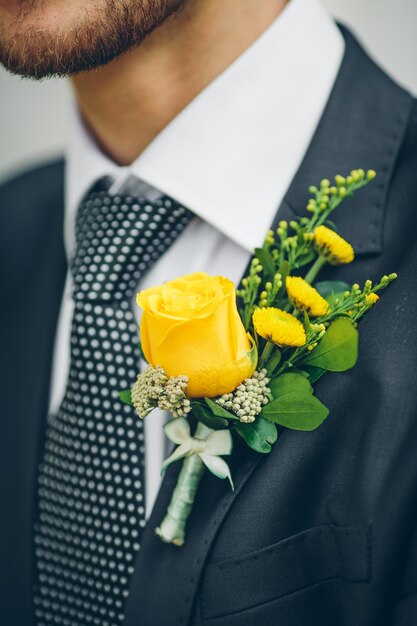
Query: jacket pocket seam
[(282, 599), (340, 552)]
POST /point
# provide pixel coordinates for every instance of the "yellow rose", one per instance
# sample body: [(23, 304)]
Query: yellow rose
[(191, 326)]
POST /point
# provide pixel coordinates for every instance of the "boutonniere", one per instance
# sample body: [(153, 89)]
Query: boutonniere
[(246, 368)]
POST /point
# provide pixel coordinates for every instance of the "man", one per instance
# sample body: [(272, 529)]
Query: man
[(196, 125)]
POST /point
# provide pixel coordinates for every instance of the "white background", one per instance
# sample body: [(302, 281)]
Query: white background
[(32, 115)]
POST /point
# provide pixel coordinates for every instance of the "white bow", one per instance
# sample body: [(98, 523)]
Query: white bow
[(218, 442)]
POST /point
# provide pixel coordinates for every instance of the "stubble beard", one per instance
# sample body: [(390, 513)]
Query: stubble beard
[(103, 31)]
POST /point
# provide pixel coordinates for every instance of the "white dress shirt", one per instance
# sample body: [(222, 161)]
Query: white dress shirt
[(229, 156)]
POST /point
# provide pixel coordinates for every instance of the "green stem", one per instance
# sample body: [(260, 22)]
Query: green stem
[(323, 216), (314, 269), (266, 353), (273, 362), (247, 316), (172, 528), (289, 362)]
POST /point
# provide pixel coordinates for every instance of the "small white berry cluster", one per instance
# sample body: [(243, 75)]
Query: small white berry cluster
[(249, 398), (174, 397), (154, 389)]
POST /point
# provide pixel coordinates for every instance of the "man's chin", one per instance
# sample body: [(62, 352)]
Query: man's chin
[(35, 48), (40, 41), (40, 56)]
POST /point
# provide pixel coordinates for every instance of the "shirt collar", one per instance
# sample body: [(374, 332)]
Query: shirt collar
[(231, 153)]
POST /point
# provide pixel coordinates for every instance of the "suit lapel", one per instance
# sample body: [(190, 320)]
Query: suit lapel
[(170, 573), (357, 130)]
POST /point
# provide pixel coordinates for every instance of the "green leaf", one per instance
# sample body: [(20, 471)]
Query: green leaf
[(305, 259), (331, 225), (295, 370), (289, 383), (297, 410), (260, 435), (126, 396), (203, 414), (314, 373), (337, 351), (218, 410), (327, 287), (284, 270), (253, 352), (306, 322), (266, 261)]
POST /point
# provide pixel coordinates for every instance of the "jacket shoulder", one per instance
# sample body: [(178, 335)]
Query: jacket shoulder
[(369, 74), (31, 218), (30, 186), (371, 95), (386, 115), (29, 196), (413, 120)]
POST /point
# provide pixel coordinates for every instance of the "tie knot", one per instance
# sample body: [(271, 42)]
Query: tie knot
[(119, 237)]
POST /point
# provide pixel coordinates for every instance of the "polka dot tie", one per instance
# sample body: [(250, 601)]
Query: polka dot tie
[(91, 492)]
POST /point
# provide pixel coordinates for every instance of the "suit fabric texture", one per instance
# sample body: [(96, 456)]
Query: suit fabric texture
[(322, 531)]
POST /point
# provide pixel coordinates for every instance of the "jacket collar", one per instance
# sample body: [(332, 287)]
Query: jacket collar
[(362, 126)]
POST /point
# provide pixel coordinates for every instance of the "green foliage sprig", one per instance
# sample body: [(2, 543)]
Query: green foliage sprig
[(331, 338), (325, 313)]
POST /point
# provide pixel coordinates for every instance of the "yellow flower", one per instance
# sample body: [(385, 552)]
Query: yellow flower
[(332, 246), (190, 326), (372, 298), (279, 327), (304, 296)]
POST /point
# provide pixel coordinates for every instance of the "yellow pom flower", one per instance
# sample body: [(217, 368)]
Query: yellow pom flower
[(304, 296), (279, 327), (372, 298), (332, 246)]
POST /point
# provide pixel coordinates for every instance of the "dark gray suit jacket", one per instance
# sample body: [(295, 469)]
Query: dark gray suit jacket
[(323, 531)]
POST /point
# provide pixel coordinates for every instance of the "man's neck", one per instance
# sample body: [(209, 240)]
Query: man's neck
[(127, 103)]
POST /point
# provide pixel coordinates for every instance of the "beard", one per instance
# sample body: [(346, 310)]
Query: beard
[(40, 41)]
